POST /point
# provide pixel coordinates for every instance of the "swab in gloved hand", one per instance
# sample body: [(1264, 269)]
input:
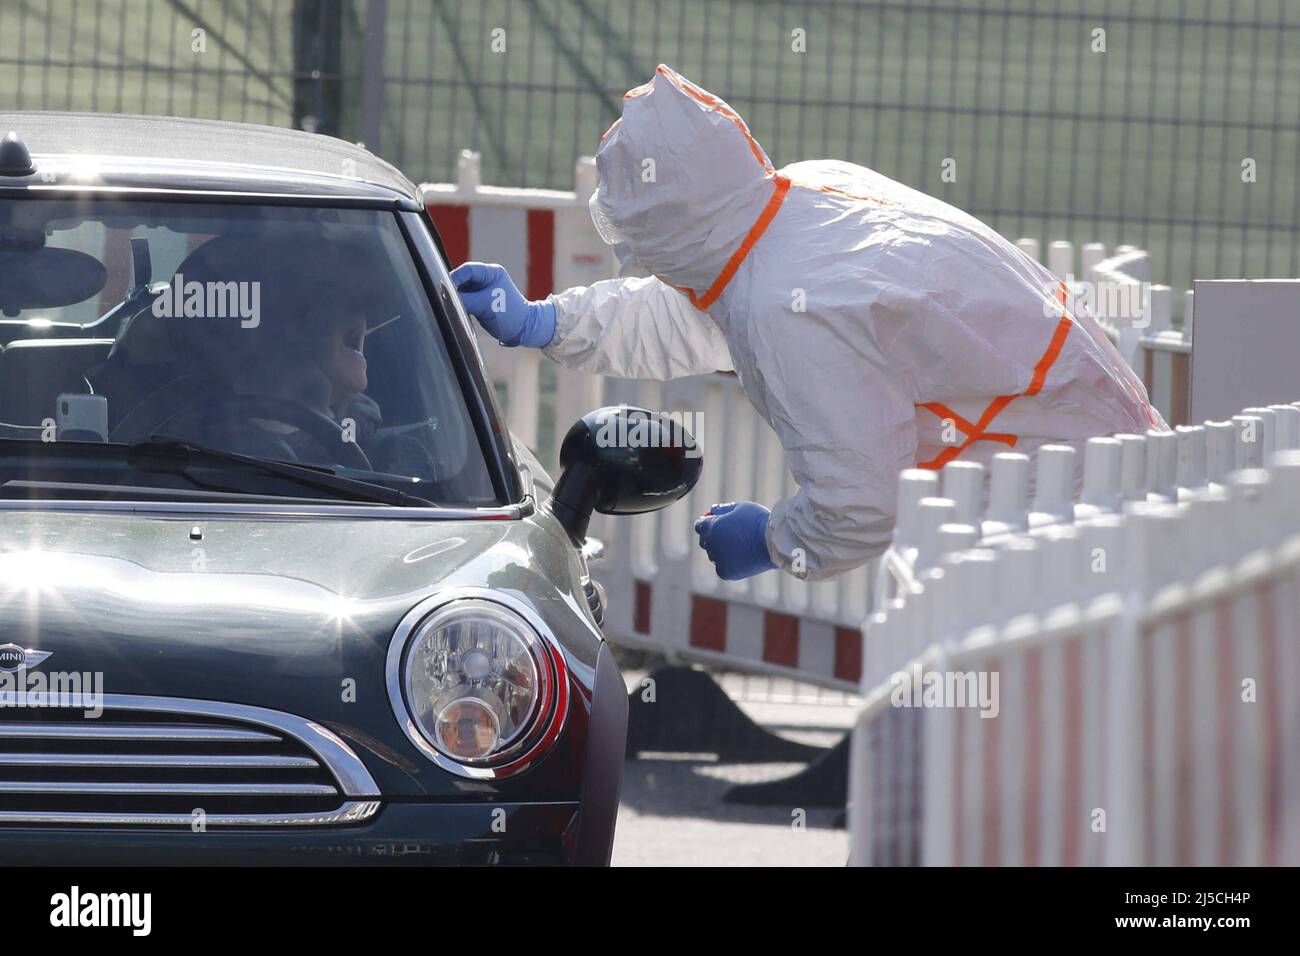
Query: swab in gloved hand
[(491, 296)]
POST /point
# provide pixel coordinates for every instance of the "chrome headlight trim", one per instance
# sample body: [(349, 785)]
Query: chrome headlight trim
[(547, 723), (538, 654)]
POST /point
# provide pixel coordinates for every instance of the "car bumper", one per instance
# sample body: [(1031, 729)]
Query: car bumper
[(401, 834)]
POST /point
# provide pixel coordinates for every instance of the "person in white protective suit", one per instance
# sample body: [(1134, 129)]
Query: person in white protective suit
[(875, 328)]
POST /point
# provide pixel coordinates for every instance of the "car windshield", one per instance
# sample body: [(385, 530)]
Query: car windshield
[(290, 334)]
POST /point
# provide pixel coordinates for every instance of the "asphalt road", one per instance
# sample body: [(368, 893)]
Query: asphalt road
[(673, 814)]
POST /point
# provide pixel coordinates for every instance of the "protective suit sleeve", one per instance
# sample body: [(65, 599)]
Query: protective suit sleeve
[(635, 328), (848, 431)]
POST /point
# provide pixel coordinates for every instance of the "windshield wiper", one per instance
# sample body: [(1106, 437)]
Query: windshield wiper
[(176, 456)]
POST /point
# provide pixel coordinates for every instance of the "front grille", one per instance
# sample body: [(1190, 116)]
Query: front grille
[(172, 763)]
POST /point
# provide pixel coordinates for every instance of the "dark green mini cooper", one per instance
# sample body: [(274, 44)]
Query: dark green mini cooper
[(277, 584)]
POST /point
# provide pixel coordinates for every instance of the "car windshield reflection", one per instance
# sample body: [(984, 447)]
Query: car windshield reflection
[(298, 335)]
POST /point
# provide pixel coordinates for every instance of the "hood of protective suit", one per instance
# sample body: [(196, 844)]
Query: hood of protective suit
[(681, 181)]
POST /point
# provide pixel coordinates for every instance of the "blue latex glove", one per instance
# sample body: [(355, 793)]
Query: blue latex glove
[(735, 537), (490, 295)]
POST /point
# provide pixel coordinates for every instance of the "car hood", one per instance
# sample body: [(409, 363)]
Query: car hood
[(264, 610)]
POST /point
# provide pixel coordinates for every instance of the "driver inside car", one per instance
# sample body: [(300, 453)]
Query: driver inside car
[(319, 361), (315, 358), (185, 376), (345, 361)]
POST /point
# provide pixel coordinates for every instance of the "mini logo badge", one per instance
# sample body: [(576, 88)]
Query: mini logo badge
[(13, 657)]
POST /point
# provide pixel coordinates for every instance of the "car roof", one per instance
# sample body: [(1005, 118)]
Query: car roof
[(167, 152)]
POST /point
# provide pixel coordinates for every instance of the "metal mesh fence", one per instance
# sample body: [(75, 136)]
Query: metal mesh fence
[(1177, 129)]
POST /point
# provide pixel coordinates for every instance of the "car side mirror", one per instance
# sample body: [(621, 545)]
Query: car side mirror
[(622, 460)]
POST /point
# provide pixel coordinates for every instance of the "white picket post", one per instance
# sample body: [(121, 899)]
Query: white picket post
[(1207, 528), (1285, 468), (1268, 429), (939, 742), (1017, 577), (859, 794), (1249, 512), (1102, 541), (963, 482), (1060, 259), (1287, 424), (956, 536), (1101, 474), (914, 484), (978, 579), (931, 515), (1125, 823), (1008, 508), (1162, 463), (1248, 443), (875, 649), (1062, 565), (930, 621), (1089, 256), (1054, 485), (1190, 470), (1132, 467), (1220, 450)]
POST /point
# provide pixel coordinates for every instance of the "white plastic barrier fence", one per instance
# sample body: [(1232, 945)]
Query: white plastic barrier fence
[(1107, 681), (1138, 317), (663, 593)]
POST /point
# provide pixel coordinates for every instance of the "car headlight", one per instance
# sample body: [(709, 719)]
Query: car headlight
[(479, 685)]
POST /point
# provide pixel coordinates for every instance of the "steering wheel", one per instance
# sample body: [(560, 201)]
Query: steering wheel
[(207, 415)]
